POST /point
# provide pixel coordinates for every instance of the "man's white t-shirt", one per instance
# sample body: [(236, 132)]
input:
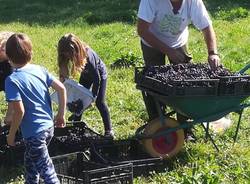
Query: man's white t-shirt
[(172, 28)]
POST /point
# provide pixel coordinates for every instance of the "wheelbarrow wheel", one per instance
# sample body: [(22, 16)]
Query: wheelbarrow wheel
[(167, 145)]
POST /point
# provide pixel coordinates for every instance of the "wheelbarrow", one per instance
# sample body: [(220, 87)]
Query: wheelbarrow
[(164, 136)]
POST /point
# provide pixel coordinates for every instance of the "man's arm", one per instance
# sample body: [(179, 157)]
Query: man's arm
[(62, 99), (143, 31), (210, 39), (17, 109)]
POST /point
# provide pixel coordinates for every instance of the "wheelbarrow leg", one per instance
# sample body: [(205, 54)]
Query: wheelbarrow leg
[(150, 105), (159, 110), (209, 136), (238, 125), (206, 128)]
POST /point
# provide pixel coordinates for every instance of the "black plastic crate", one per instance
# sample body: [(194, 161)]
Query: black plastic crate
[(198, 87), (128, 151), (234, 85), (70, 144), (118, 150), (79, 128), (76, 168), (78, 137), (73, 138), (75, 143), (144, 167), (12, 156)]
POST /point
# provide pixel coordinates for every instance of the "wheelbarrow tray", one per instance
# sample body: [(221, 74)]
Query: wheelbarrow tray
[(198, 107)]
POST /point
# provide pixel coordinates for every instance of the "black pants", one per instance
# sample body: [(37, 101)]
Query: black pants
[(100, 101), (154, 57)]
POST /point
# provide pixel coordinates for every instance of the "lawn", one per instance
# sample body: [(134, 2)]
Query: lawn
[(109, 27)]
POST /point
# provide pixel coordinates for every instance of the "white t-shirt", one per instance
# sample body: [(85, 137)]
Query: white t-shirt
[(172, 28)]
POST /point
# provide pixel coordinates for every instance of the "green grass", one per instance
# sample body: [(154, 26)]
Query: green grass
[(112, 34)]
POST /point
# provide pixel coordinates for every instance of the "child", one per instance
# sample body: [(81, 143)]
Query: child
[(28, 98), (5, 67), (74, 53)]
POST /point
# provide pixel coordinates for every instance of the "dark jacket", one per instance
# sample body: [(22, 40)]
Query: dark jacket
[(93, 72), (5, 70)]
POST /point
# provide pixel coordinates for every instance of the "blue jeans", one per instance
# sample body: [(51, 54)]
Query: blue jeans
[(37, 161)]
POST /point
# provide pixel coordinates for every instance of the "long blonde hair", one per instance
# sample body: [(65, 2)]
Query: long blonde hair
[(4, 35), (72, 55)]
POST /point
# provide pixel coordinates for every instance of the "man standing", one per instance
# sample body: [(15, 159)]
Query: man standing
[(163, 28)]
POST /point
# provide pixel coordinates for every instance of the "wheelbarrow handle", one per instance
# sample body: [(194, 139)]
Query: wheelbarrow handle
[(244, 69), (247, 103)]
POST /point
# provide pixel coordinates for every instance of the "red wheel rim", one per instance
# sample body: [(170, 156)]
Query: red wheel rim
[(165, 144)]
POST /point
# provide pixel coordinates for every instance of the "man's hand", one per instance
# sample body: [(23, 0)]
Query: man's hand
[(214, 61), (59, 121), (11, 140)]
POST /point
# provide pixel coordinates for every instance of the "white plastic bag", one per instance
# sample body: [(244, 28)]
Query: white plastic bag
[(75, 93)]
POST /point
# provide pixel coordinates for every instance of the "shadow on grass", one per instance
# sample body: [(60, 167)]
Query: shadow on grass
[(228, 10), (52, 12), (47, 12), (215, 5)]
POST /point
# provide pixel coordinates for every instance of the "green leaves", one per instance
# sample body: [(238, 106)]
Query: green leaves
[(126, 61), (233, 14)]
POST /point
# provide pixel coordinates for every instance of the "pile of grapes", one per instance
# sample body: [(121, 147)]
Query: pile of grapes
[(78, 137), (10, 155), (75, 106), (185, 75), (186, 78), (80, 129), (71, 138), (4, 131)]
